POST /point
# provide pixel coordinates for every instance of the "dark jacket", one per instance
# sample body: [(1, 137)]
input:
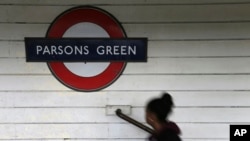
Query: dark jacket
[(170, 132)]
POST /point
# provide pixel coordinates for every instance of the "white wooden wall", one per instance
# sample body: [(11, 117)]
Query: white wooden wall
[(199, 51)]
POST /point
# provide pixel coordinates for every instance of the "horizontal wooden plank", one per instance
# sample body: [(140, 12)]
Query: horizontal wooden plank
[(153, 66), (212, 115), (182, 98), (205, 131), (53, 131), (12, 49), (133, 14), (180, 13), (18, 83), (189, 31), (70, 99), (75, 139), (78, 139), (53, 99), (99, 116), (190, 66), (134, 82), (20, 66), (181, 82), (72, 139), (114, 2), (100, 131), (20, 31), (217, 98), (56, 116), (224, 48), (46, 13), (5, 51)]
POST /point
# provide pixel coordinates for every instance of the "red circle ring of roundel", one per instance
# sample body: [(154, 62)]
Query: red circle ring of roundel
[(109, 24)]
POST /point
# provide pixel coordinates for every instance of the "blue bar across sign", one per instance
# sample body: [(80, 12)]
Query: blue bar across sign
[(86, 49)]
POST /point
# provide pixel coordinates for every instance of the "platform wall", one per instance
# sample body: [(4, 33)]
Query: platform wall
[(198, 51)]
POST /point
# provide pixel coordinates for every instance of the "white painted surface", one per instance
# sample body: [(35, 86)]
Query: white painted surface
[(199, 51), (86, 69)]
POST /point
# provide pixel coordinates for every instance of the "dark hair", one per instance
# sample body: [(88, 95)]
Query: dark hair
[(161, 107)]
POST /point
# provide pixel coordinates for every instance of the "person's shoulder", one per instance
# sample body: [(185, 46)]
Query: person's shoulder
[(171, 132), (172, 126), (169, 135)]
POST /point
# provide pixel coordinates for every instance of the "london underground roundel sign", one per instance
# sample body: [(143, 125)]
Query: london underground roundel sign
[(86, 49), (82, 22)]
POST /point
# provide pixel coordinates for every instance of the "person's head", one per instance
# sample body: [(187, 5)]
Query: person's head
[(157, 110)]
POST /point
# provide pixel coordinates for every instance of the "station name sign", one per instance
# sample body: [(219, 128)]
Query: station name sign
[(86, 49)]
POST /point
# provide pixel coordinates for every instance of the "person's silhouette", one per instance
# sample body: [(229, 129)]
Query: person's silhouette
[(157, 111)]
